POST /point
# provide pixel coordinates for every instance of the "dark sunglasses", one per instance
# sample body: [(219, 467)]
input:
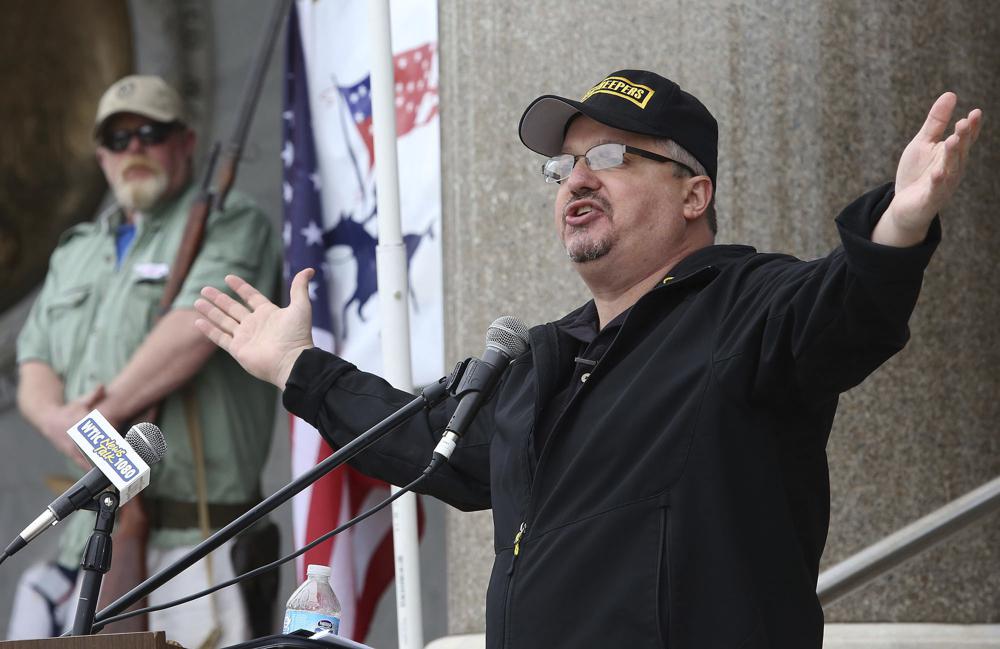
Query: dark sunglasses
[(148, 134)]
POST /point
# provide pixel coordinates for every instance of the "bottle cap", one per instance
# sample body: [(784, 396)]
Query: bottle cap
[(316, 570)]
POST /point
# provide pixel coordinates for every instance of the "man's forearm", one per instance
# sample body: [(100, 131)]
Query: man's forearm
[(889, 232), (41, 399), (173, 352), (39, 391)]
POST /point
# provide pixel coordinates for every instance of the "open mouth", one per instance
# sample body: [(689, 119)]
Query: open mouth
[(581, 212)]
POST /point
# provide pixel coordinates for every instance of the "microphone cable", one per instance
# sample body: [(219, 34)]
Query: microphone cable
[(274, 564), (506, 339)]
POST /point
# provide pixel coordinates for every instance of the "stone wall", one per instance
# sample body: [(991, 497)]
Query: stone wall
[(815, 103)]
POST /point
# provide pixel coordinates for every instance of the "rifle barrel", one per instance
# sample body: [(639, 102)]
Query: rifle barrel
[(251, 92)]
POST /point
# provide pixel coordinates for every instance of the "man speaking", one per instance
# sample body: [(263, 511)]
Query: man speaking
[(656, 462)]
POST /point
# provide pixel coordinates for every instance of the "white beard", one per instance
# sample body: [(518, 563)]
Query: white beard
[(142, 194)]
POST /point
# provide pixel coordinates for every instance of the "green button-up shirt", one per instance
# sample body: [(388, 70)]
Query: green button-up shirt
[(92, 314)]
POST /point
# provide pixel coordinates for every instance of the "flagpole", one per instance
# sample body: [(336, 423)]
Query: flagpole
[(393, 289)]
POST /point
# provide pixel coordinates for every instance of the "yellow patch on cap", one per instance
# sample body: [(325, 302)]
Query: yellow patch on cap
[(621, 87)]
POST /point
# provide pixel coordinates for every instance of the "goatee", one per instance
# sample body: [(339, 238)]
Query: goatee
[(591, 251)]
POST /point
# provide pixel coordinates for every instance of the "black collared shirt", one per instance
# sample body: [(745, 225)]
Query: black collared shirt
[(592, 344)]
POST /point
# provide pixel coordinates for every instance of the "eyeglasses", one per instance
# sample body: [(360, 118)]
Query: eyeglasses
[(603, 156), (148, 134)]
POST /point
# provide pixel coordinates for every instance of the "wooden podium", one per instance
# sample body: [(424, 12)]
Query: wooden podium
[(145, 640), (158, 640)]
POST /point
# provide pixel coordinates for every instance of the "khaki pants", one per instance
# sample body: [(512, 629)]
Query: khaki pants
[(44, 603), (191, 624)]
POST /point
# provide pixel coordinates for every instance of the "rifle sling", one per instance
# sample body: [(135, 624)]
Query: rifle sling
[(198, 458)]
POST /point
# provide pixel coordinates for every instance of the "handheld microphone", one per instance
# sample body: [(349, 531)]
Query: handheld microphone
[(506, 339), (119, 462)]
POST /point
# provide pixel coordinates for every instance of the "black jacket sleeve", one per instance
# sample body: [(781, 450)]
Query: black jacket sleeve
[(815, 329), (343, 402)]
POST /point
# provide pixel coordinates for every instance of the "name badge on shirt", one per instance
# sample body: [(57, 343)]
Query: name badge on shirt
[(151, 271)]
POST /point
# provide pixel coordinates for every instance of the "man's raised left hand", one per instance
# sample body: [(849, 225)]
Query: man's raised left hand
[(929, 172)]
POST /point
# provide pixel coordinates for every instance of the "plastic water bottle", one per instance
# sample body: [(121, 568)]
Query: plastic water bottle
[(313, 606)]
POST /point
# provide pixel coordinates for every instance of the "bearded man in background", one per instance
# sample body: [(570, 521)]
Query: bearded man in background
[(94, 339)]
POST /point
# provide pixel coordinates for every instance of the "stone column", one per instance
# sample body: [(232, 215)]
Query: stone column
[(815, 103)]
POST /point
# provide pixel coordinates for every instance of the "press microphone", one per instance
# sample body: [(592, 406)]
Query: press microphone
[(506, 339), (120, 462)]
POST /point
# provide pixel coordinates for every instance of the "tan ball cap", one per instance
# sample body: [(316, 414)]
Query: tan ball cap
[(145, 95)]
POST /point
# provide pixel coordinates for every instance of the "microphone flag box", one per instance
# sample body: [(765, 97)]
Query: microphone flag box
[(109, 452)]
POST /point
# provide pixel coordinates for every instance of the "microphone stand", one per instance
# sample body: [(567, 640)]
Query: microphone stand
[(429, 396), (96, 560)]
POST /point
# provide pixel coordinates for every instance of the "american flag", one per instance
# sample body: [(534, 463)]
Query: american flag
[(361, 558), (416, 96)]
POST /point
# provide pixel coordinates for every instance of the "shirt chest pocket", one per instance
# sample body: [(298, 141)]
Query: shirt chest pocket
[(140, 308), (145, 294), (70, 316)]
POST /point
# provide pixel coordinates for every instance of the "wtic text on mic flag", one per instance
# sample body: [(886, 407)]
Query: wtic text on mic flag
[(108, 451)]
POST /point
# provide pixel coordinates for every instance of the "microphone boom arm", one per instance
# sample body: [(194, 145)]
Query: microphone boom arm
[(430, 396)]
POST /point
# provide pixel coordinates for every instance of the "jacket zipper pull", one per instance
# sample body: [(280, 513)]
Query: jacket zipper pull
[(517, 547)]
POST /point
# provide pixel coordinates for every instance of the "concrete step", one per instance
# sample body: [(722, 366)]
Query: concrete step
[(912, 636), (846, 636)]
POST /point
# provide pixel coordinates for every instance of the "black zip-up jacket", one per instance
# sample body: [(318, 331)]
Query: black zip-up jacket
[(682, 498)]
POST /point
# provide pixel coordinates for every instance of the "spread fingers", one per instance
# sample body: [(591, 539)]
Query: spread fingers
[(226, 304), (254, 298), (213, 333)]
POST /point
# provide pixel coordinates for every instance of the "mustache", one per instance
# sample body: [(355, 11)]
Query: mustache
[(138, 161)]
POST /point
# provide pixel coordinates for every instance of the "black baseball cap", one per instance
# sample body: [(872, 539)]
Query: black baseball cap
[(637, 101)]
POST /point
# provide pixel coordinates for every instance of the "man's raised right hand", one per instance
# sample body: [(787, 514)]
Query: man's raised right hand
[(262, 338)]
